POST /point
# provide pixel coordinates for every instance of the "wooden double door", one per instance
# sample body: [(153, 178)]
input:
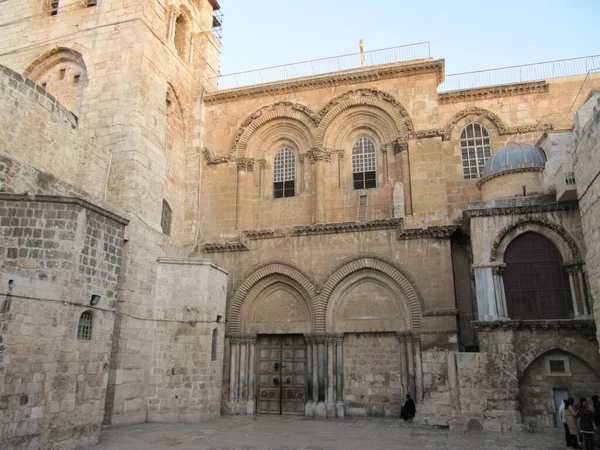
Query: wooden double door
[(281, 377)]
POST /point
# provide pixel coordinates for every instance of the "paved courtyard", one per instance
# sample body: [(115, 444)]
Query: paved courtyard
[(294, 433)]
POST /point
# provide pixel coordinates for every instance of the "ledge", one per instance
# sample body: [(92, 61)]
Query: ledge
[(353, 76), (225, 247), (504, 90), (585, 325), (504, 207), (441, 232), (67, 201), (441, 312), (347, 227), (192, 262)]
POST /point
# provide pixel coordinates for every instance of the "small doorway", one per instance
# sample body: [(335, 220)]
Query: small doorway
[(559, 395), (281, 376)]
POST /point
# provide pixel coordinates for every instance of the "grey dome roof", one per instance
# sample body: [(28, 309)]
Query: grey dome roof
[(514, 156)]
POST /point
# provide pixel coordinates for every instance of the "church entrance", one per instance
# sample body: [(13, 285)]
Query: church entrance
[(281, 374)]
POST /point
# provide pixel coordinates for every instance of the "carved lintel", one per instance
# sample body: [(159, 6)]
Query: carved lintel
[(316, 154), (245, 164), (584, 326), (239, 338), (324, 338), (225, 247), (436, 232)]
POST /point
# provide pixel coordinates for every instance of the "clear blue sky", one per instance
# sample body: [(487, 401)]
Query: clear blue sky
[(470, 35)]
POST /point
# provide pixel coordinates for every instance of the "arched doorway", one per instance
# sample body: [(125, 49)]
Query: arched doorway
[(535, 282), (548, 380)]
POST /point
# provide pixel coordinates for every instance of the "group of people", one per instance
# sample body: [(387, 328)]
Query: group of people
[(582, 423)]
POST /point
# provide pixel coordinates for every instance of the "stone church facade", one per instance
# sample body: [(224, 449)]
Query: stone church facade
[(319, 246)]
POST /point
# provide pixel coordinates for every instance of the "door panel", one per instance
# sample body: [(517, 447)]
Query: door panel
[(281, 375)]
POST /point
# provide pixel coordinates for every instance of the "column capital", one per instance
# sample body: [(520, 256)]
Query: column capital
[(573, 268), (408, 336), (245, 164), (324, 338), (317, 154), (499, 269)]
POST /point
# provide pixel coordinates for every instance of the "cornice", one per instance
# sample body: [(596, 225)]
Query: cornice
[(346, 227), (225, 247), (441, 312), (582, 325), (353, 76), (518, 210), (504, 90), (493, 176), (441, 232), (210, 159)]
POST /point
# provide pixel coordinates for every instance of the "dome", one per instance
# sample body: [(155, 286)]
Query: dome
[(514, 156)]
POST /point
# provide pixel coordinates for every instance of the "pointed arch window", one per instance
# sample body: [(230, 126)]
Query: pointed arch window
[(166, 218), (213, 350), (84, 327), (284, 173), (364, 164), (476, 148)]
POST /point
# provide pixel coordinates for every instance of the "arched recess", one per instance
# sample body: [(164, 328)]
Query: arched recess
[(555, 372), (362, 119), (294, 112), (283, 129), (63, 72), (279, 272), (395, 279), (455, 125), (183, 33), (580, 346), (556, 233), (373, 98)]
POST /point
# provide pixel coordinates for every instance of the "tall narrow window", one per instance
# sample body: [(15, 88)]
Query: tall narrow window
[(284, 173), (166, 218), (364, 165), (213, 349), (84, 327), (476, 148), (182, 37), (54, 7)]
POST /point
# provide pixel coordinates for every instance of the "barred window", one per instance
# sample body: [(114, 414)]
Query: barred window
[(166, 218), (84, 328), (364, 165), (476, 148), (284, 173)]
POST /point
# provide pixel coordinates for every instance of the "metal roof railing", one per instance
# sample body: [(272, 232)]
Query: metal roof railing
[(520, 74), (409, 52)]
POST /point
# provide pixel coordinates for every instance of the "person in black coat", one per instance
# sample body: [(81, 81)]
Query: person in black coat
[(586, 425), (409, 409)]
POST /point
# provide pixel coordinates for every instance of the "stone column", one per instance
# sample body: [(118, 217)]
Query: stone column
[(233, 371), (251, 375), (319, 157), (498, 277), (386, 173), (243, 192), (322, 368), (571, 270), (243, 383), (583, 291), (315, 375), (405, 167), (339, 375), (330, 376), (309, 376), (418, 369), (411, 367), (403, 363), (173, 14)]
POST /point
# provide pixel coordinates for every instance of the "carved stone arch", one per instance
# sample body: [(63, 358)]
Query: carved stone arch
[(365, 120), (580, 347), (53, 57), (266, 114), (473, 111), (260, 272), (361, 97), (174, 96), (556, 233), (266, 137), (378, 263)]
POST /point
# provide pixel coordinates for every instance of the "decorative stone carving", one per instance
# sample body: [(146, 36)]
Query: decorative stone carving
[(225, 247), (398, 146), (316, 154), (519, 210), (242, 338), (346, 227), (441, 232), (210, 159), (584, 326), (441, 312), (507, 90), (245, 164)]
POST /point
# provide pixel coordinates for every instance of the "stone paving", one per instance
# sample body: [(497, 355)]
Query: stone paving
[(295, 433)]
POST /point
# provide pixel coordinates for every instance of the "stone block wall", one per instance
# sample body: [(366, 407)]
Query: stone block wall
[(55, 253)]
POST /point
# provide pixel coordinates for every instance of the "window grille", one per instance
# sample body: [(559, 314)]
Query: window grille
[(364, 164), (166, 218), (213, 350), (476, 148), (84, 328), (557, 365), (284, 173)]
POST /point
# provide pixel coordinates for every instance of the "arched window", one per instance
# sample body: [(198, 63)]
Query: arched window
[(476, 148), (213, 349), (84, 327), (364, 165), (51, 7), (284, 173), (166, 218), (535, 282), (182, 37)]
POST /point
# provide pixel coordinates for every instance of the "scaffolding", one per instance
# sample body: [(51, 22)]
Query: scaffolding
[(217, 24)]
